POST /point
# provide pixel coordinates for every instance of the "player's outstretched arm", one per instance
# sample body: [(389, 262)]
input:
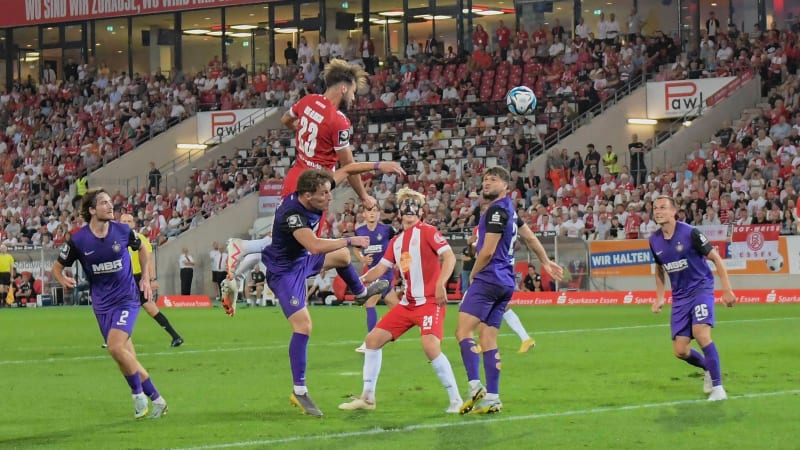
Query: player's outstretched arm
[(289, 121), (728, 297), (556, 271), (357, 168), (316, 246), (375, 273)]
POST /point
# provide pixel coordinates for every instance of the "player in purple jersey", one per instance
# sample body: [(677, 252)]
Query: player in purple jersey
[(102, 249), (681, 251), (492, 282), (379, 235), (296, 253)]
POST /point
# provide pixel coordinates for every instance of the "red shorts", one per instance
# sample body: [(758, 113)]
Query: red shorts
[(428, 317)]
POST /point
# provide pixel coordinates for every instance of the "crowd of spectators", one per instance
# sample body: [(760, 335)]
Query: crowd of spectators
[(52, 132)]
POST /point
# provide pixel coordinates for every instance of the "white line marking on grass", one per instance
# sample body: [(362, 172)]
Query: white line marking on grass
[(484, 419), (350, 374), (282, 346)]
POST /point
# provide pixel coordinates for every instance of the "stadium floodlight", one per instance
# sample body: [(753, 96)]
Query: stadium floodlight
[(642, 121)]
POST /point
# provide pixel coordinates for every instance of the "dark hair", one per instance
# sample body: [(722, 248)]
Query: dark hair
[(498, 171), (90, 201), (311, 179)]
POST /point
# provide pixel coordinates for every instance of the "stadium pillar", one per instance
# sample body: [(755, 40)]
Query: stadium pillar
[(271, 35), (577, 12), (530, 19), (761, 10), (177, 50), (154, 51)]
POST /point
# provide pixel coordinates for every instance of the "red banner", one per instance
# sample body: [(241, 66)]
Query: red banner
[(183, 301), (755, 241), (33, 12), (269, 197), (644, 297), (729, 88)]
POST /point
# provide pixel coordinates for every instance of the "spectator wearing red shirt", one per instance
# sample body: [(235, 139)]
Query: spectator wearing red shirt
[(522, 38), (503, 35), (632, 223), (480, 38)]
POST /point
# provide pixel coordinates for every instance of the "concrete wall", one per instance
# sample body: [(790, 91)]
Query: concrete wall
[(608, 128), (611, 128), (132, 168), (232, 221), (178, 174)]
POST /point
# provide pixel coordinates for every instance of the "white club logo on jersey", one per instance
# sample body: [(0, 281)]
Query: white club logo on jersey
[(293, 220), (439, 239), (64, 251), (116, 247), (344, 137)]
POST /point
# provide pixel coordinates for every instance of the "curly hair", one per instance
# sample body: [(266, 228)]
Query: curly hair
[(340, 71)]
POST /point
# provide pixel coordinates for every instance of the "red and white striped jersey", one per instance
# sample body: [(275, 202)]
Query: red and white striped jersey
[(415, 251)]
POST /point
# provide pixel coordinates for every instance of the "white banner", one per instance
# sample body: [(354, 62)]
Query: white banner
[(667, 99), (714, 232), (793, 253), (226, 124)]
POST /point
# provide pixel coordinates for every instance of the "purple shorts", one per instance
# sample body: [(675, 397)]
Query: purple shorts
[(487, 302), (699, 309), (122, 317), (290, 288)]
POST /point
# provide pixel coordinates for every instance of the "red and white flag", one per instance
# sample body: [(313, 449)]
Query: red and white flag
[(755, 241)]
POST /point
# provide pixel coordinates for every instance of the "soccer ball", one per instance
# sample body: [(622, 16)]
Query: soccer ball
[(521, 100), (775, 264)]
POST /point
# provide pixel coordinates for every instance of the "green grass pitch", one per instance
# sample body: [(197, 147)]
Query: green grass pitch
[(600, 377)]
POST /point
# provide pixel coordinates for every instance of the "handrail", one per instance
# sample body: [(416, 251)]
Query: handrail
[(557, 136), (211, 144)]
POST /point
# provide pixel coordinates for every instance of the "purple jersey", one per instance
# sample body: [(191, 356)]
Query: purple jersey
[(500, 218), (107, 264), (378, 241), (281, 256), (683, 257)]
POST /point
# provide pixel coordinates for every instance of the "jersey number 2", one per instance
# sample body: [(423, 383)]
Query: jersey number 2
[(307, 137)]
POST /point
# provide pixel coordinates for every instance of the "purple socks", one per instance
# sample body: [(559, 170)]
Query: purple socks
[(491, 366), (135, 383), (298, 347), (149, 389), (350, 277), (471, 359), (372, 318), (712, 363)]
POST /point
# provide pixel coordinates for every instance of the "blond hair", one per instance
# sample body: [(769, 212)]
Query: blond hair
[(405, 193), (340, 71)]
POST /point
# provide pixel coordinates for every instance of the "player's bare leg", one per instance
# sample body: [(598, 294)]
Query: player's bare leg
[(373, 356), (121, 349)]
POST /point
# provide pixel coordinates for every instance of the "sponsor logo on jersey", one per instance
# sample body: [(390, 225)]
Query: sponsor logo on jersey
[(107, 267), (376, 248), (495, 218), (676, 266)]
